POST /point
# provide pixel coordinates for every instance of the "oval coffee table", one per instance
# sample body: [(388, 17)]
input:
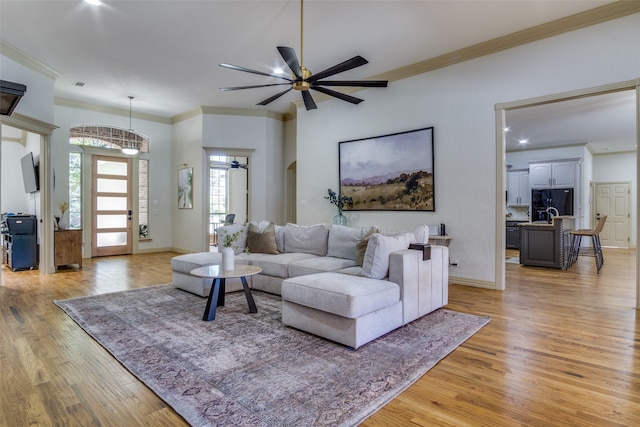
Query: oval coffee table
[(218, 276)]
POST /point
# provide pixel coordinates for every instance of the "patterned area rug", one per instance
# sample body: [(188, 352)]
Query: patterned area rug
[(248, 369)]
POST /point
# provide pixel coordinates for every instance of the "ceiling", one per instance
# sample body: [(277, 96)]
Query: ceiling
[(606, 123), (166, 53)]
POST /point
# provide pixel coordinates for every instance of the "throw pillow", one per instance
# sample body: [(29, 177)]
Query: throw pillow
[(376, 258), (262, 242), (240, 242), (361, 246), (422, 234), (342, 241), (310, 239)]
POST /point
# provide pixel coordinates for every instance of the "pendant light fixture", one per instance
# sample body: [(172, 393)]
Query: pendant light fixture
[(130, 144)]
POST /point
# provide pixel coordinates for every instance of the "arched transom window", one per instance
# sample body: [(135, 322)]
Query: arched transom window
[(106, 137)]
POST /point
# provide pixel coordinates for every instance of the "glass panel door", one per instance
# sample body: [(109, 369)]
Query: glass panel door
[(112, 214)]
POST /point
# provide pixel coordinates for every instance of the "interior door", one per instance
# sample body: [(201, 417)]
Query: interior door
[(612, 199), (111, 206)]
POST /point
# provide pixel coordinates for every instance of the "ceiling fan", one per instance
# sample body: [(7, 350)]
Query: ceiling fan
[(303, 80), (235, 164)]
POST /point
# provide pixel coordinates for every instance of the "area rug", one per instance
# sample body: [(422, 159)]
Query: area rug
[(250, 370), (513, 260)]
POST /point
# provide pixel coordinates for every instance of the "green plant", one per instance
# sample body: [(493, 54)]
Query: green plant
[(143, 231), (63, 207), (230, 238), (338, 200)]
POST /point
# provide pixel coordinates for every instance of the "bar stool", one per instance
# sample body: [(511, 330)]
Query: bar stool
[(595, 250)]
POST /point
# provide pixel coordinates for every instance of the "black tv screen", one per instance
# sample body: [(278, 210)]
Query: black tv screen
[(29, 174)]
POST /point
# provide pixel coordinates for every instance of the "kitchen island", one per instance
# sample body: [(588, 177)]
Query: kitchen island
[(544, 244)]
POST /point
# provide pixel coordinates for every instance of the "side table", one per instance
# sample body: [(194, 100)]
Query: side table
[(218, 276)]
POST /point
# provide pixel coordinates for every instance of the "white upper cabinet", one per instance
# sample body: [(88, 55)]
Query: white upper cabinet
[(518, 190), (552, 175)]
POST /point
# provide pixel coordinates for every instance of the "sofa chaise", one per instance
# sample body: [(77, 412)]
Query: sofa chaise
[(349, 285)]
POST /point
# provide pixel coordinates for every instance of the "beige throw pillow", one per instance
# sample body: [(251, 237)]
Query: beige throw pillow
[(262, 242), (361, 246)]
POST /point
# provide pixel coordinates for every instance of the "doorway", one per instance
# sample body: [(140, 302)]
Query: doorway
[(111, 206), (501, 169), (228, 193)]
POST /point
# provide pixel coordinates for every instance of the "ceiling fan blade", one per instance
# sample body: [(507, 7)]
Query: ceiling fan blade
[(249, 70), (289, 56), (349, 64), (353, 83), (342, 96), (309, 103), (274, 97), (252, 87)]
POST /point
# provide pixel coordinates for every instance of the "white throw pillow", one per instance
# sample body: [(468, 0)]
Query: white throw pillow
[(422, 234), (376, 258), (240, 243), (310, 239), (342, 241)]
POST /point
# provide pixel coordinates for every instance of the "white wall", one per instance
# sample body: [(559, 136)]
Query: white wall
[(619, 168), (459, 102), (262, 138), (37, 101), (188, 226)]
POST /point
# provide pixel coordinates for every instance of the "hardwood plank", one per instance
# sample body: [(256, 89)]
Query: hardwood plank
[(562, 348)]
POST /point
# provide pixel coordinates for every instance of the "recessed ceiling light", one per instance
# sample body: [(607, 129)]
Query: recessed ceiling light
[(278, 71), (507, 129), (93, 2), (523, 141)]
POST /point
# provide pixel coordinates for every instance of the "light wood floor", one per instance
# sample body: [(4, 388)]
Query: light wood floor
[(562, 348)]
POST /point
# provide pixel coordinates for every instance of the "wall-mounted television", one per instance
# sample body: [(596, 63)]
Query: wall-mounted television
[(29, 174)]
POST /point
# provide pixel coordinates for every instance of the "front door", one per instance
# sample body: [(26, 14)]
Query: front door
[(612, 199), (111, 206)]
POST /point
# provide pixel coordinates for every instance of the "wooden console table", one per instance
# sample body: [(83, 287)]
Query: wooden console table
[(440, 240), (67, 247)]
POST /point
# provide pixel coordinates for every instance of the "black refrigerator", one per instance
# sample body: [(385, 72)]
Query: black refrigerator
[(543, 198)]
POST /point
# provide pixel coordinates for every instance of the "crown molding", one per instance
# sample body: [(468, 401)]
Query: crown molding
[(30, 124), (225, 111), (22, 58), (65, 102), (251, 112)]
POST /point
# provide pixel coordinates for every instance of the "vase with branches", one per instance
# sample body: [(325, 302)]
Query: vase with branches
[(340, 202)]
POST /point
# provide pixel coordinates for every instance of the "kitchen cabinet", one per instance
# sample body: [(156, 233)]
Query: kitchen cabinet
[(518, 190), (552, 175), (67, 246)]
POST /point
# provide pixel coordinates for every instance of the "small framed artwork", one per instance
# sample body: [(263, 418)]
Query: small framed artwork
[(389, 172), (185, 188)]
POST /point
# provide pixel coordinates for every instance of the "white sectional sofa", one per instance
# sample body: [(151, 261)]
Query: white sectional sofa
[(349, 285)]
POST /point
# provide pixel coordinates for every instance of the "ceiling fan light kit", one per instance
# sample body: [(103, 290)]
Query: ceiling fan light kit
[(303, 79)]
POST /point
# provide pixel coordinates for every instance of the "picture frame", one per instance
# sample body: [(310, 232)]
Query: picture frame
[(393, 172), (185, 188)]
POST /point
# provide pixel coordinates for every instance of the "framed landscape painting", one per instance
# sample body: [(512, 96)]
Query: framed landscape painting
[(389, 172)]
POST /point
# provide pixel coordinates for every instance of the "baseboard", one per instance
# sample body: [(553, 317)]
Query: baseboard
[(472, 282)]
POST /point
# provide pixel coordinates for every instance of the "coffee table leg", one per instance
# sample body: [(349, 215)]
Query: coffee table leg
[(210, 309), (222, 292), (247, 293)]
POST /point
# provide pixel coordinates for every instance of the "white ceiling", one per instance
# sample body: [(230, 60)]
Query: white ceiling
[(166, 53), (606, 123)]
